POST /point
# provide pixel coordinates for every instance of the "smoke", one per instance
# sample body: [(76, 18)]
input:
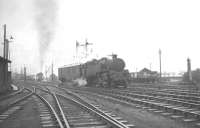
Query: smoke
[(45, 21), (80, 82)]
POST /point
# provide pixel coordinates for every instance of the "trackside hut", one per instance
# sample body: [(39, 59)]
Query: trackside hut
[(5, 75)]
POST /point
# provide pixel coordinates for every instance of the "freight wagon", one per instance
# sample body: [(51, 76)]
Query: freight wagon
[(69, 73)]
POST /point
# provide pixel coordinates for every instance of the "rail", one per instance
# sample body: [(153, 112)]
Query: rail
[(61, 111), (52, 110), (97, 111)]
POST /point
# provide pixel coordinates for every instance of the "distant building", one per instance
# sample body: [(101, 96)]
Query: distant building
[(133, 74), (39, 76), (146, 73), (5, 75)]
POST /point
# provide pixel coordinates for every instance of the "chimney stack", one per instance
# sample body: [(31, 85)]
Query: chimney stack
[(189, 70)]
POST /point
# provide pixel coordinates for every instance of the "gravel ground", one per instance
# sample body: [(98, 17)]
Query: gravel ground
[(27, 117), (139, 117)]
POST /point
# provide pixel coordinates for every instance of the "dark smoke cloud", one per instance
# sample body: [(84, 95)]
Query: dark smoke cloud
[(45, 20)]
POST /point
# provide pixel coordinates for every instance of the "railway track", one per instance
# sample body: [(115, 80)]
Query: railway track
[(179, 93), (173, 111), (181, 106), (165, 86), (110, 120), (188, 99), (185, 100), (48, 110), (163, 97), (74, 112), (48, 116)]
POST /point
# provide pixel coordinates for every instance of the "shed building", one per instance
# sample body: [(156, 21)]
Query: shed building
[(5, 75)]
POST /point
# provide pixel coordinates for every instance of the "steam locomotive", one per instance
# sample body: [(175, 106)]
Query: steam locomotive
[(106, 72), (100, 73)]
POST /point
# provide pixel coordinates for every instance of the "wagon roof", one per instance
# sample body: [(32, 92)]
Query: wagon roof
[(70, 65)]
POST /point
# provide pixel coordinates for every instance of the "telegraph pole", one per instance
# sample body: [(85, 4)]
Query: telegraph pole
[(24, 73), (189, 70), (5, 70), (52, 71), (4, 42), (160, 63), (77, 55), (150, 66), (86, 47)]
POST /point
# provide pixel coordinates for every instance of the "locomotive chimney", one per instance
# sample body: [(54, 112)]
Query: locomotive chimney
[(114, 56)]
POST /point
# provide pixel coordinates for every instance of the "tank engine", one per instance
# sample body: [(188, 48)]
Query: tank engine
[(106, 72)]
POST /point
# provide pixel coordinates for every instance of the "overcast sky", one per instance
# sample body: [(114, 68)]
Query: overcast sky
[(46, 31)]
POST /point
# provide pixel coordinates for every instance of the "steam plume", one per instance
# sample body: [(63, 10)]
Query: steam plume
[(45, 20)]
